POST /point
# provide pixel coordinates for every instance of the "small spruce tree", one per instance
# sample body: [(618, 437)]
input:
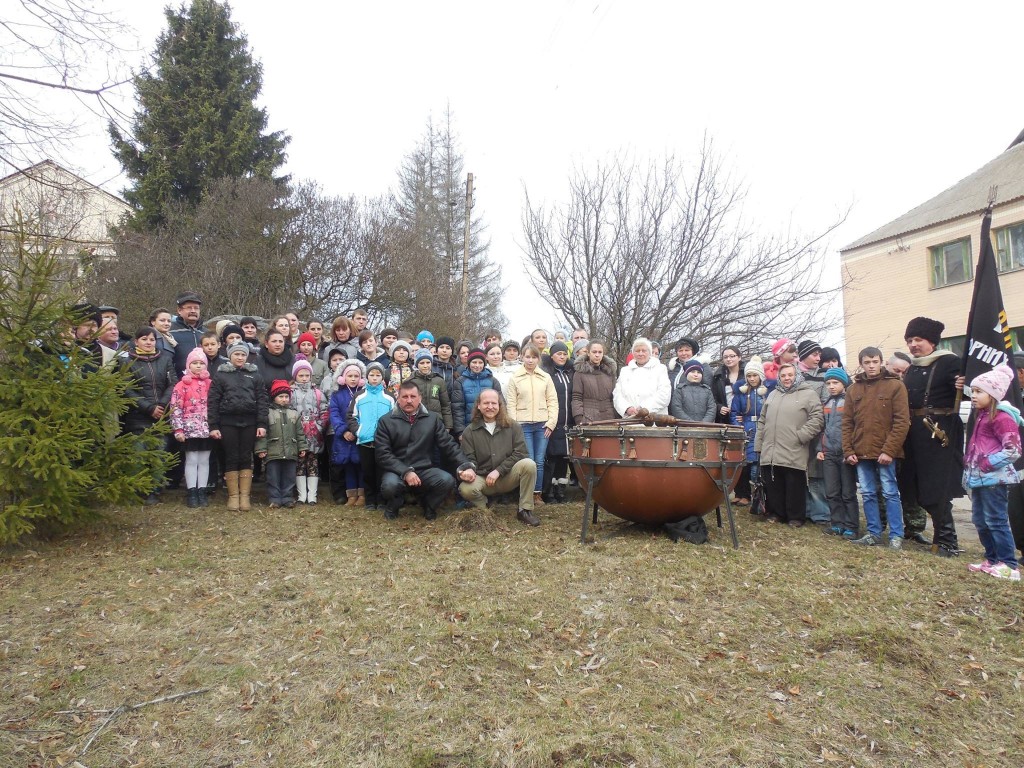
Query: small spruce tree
[(61, 457)]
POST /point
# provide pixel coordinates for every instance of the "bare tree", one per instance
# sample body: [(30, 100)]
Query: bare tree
[(55, 48), (651, 250)]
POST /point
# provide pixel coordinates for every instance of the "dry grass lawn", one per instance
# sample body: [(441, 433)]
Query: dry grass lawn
[(325, 637)]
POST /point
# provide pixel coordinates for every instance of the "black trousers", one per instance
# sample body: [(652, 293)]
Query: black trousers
[(238, 445), (786, 492), (371, 476), (435, 486)]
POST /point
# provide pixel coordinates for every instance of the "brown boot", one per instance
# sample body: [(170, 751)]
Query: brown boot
[(231, 481), (360, 498), (526, 516), (351, 498), (537, 500), (244, 487)]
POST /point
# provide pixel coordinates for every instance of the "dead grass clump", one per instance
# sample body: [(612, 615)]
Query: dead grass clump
[(473, 519)]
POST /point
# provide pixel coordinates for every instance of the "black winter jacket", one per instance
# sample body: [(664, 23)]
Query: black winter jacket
[(154, 380), (187, 338), (402, 445), (274, 367), (238, 398)]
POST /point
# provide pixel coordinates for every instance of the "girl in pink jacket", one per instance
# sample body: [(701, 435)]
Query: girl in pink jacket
[(190, 425)]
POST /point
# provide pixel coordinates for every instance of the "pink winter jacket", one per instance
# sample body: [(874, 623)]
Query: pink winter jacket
[(188, 406)]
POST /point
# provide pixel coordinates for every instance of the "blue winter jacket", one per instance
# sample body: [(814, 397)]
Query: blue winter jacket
[(342, 451), (368, 408), (465, 392), (744, 412)]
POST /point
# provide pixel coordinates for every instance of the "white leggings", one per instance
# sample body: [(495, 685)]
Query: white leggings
[(197, 469)]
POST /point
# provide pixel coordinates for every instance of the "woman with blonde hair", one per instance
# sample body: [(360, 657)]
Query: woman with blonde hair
[(533, 402)]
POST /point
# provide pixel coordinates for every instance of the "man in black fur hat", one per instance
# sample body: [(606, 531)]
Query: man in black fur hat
[(931, 472)]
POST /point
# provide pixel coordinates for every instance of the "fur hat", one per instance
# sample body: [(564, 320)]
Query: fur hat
[(280, 387), (445, 340), (925, 328), (301, 364), (307, 336), (422, 354), (806, 348), (353, 363), (558, 346), (828, 354), (837, 373), (426, 336), (780, 345), (476, 354), (220, 326), (238, 346), (691, 343), (400, 345), (693, 364), (754, 365), (994, 382), (196, 354)]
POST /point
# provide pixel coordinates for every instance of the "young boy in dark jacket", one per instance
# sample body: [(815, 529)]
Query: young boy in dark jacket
[(692, 399), (432, 386), (840, 477)]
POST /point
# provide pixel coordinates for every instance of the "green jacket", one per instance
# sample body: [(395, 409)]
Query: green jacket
[(285, 438), (434, 393), (499, 451)]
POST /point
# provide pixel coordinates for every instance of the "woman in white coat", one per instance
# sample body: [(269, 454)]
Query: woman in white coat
[(643, 383)]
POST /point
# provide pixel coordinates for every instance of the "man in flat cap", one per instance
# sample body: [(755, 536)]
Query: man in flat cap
[(187, 330), (934, 449)]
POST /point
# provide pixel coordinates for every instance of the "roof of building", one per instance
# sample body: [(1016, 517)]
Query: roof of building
[(967, 196), (38, 172)]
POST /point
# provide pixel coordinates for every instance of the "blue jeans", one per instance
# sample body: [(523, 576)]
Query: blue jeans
[(869, 474), (989, 515), (536, 446)]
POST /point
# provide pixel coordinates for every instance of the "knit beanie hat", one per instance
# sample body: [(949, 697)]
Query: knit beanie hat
[(925, 328), (829, 354), (423, 354), (510, 343), (307, 336), (442, 340), (196, 354), (693, 364), (424, 336), (994, 382), (375, 366), (353, 363), (228, 329), (400, 345), (780, 345), (806, 348), (558, 346), (280, 386), (476, 354), (301, 364), (837, 373), (754, 365), (238, 346)]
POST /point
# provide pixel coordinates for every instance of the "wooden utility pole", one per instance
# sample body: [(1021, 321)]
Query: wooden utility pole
[(465, 255)]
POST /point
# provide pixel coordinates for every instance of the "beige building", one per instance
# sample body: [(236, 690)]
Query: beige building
[(54, 207), (923, 262)]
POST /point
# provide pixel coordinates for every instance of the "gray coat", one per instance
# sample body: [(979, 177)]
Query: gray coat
[(789, 422), (692, 402)]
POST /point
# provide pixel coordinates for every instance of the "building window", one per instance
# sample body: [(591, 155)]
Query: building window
[(954, 344), (951, 263), (1010, 247)]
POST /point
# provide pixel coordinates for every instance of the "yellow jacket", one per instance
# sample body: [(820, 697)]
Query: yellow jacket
[(531, 397)]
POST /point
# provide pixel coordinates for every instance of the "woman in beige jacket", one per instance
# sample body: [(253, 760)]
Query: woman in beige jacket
[(533, 402)]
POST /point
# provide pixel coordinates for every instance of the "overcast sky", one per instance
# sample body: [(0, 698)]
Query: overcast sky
[(816, 107)]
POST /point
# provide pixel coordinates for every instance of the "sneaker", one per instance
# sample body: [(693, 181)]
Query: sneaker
[(940, 551), (976, 567), (849, 533), (835, 530), (896, 543), (867, 540), (1002, 571)]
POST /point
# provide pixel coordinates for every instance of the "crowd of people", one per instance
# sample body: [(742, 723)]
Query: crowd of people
[(382, 416)]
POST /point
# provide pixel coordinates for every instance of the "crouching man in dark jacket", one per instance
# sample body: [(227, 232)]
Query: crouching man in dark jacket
[(495, 444), (404, 443)]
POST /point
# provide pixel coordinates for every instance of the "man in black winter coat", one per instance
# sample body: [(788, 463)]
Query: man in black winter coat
[(187, 329), (405, 443)]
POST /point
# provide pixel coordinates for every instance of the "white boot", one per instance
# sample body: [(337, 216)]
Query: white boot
[(300, 486), (311, 484)]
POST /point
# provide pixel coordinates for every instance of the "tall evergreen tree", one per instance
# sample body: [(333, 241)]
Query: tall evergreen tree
[(197, 119), (431, 208)]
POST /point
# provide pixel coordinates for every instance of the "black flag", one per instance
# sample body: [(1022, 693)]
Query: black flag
[(988, 344)]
